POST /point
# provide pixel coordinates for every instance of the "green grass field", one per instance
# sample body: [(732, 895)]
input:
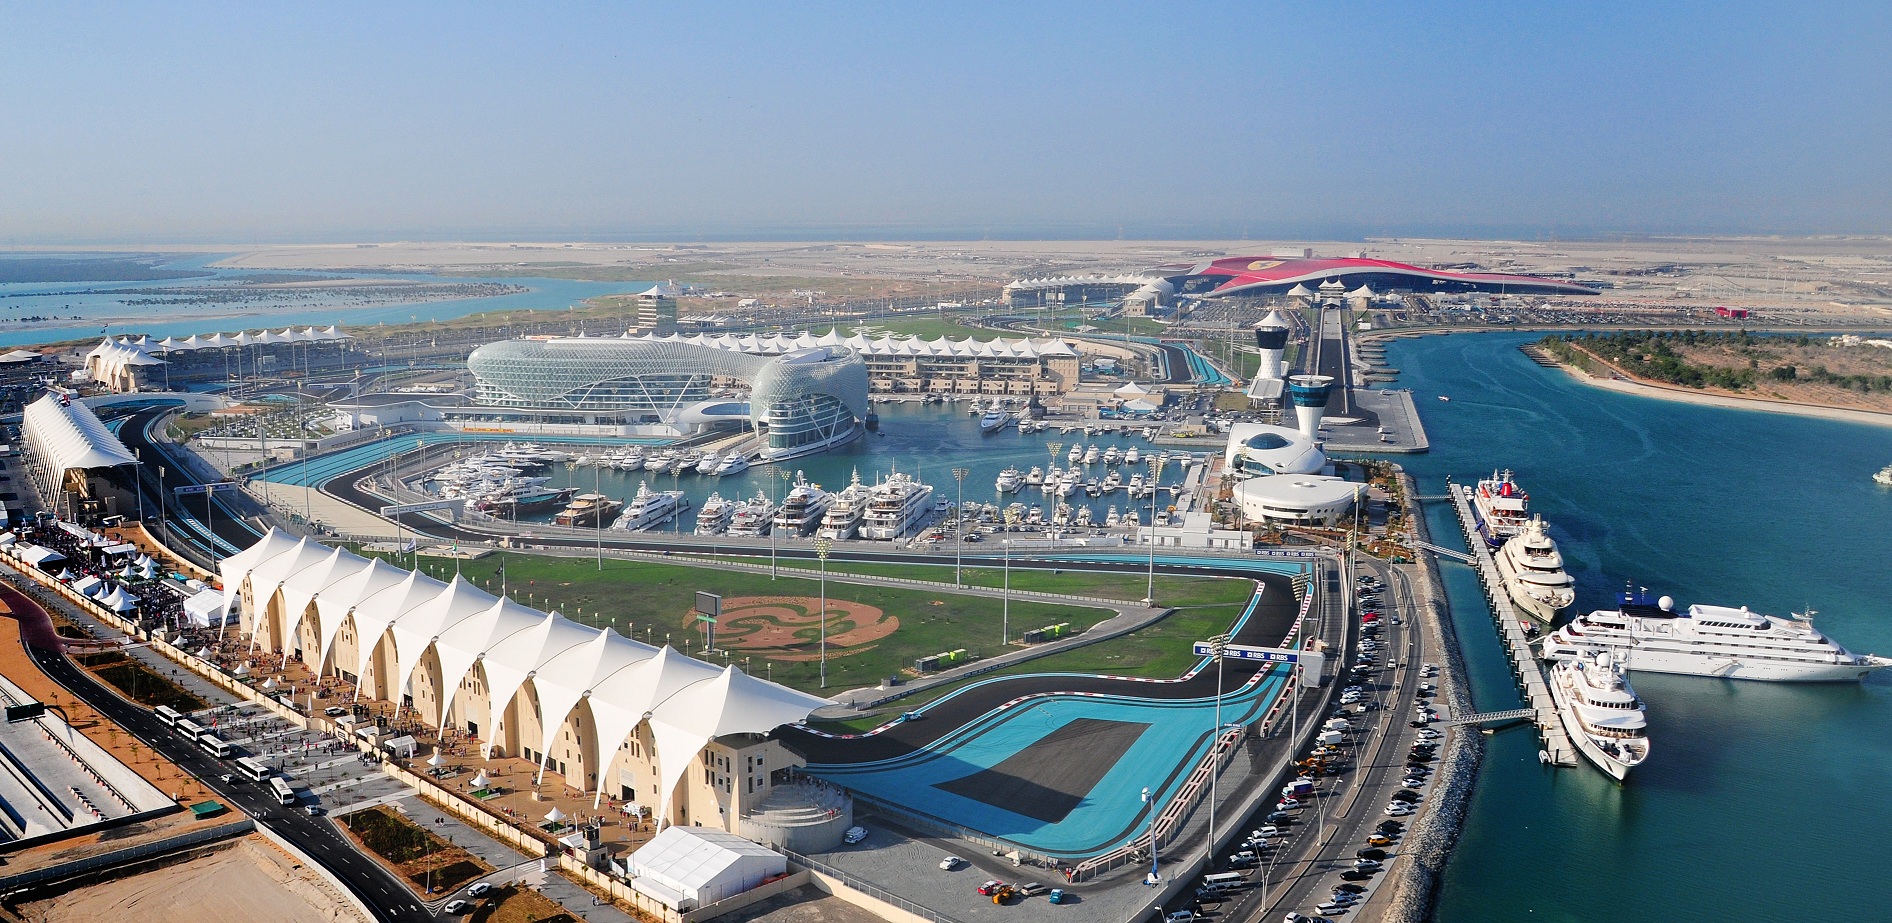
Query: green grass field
[(1159, 651), (1171, 590), (652, 602)]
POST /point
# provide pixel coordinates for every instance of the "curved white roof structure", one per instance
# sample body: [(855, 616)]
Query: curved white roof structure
[(686, 702), (111, 357), (67, 435), (772, 344)]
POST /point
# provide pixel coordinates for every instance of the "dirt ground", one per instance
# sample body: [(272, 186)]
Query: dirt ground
[(806, 904), (248, 880)]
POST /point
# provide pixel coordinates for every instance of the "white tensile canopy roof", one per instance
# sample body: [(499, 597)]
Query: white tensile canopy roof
[(771, 344), (68, 436), (625, 683), (1131, 390)]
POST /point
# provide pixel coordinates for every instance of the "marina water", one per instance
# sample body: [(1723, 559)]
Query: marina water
[(1760, 801)]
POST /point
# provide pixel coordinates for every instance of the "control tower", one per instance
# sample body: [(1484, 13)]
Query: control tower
[(1309, 394), (1271, 342)]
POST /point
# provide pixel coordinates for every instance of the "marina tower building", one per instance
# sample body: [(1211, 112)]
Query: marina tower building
[(1309, 394)]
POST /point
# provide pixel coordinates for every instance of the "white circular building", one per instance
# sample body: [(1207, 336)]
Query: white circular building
[(1298, 499), (1264, 449)]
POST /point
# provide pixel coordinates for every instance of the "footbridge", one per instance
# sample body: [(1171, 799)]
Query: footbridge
[(1494, 717), (1458, 556)]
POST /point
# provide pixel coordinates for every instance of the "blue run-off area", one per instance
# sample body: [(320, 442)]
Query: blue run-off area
[(319, 471), (1166, 738)]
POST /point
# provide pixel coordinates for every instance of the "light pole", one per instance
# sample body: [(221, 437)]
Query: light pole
[(1005, 622), (163, 517), (959, 514), (597, 484), (138, 483), (1156, 475), (821, 551), (1218, 646), (776, 526), (1156, 875)]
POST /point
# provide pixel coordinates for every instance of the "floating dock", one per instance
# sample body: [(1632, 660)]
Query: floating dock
[(1542, 708)]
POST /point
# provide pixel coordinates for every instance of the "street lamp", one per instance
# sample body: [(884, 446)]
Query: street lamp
[(1156, 875), (163, 517), (1005, 622), (959, 512), (775, 527), (1218, 646), (1156, 476), (821, 551)]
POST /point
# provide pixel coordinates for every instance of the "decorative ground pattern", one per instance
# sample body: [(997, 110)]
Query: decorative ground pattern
[(788, 628)]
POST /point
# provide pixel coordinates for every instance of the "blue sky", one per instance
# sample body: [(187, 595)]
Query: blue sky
[(237, 123)]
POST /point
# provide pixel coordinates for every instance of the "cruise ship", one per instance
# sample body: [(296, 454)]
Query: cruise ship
[(896, 508), (650, 508), (803, 508), (1533, 573), (1498, 507), (1601, 712), (753, 517), (844, 515), (587, 510), (713, 518), (1712, 641)]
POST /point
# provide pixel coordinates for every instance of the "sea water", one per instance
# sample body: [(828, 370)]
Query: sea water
[(1760, 801)]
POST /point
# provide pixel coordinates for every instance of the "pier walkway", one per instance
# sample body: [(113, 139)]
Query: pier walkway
[(1540, 706)]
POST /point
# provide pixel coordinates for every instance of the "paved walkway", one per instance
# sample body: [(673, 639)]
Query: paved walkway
[(511, 865)]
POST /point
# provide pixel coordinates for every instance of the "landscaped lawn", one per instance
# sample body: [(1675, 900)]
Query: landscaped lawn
[(1171, 589), (653, 602)]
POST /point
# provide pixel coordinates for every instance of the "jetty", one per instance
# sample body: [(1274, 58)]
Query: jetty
[(1539, 706)]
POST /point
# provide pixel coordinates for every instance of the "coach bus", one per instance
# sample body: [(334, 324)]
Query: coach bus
[(284, 793), (214, 745), (168, 715), (190, 729), (253, 769)]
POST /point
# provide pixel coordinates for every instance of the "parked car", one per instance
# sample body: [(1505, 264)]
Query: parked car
[(1374, 854), (1379, 839), (456, 908), (991, 887)]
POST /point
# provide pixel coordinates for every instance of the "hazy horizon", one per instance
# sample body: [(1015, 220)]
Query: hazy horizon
[(144, 126)]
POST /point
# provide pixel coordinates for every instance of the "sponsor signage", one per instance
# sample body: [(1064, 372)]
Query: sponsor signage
[(422, 507), (203, 488)]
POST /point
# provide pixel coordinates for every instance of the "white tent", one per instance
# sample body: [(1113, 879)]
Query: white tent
[(1139, 406), (205, 609), (1131, 390), (69, 435), (690, 867), (88, 585), (120, 601), (37, 555)]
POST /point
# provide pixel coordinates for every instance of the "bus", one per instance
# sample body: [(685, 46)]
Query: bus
[(214, 745), (284, 793), (253, 769), (168, 715), (190, 729)]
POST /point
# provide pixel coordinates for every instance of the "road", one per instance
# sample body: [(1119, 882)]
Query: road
[(317, 837), (1323, 845)]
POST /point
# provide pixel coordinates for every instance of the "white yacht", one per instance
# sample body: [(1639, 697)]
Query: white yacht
[(1092, 454), (803, 508), (1009, 482), (711, 461), (1498, 508), (1076, 453), (1600, 711), (733, 463), (1133, 457), (1712, 641), (1113, 481), (1884, 476), (1035, 477), (896, 508), (650, 508), (1113, 518), (994, 420), (1533, 573), (753, 517), (630, 459), (1113, 456), (713, 518), (844, 515)]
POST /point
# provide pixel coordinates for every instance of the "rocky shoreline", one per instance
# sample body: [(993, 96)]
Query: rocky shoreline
[(1429, 841)]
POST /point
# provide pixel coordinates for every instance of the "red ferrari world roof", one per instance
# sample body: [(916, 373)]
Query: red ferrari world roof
[(1251, 272)]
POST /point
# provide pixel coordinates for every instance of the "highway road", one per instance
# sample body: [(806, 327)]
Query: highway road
[(1326, 837), (390, 898)]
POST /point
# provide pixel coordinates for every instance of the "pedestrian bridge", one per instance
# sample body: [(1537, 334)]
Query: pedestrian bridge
[(1492, 717), (1458, 556)]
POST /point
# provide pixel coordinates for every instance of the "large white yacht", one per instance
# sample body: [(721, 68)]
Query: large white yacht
[(733, 463), (1600, 711), (1712, 641), (753, 517), (897, 507), (713, 518), (650, 508), (1533, 572), (844, 515), (1009, 481), (1498, 506), (803, 508)]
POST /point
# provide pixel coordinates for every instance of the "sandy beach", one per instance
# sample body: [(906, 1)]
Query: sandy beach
[(248, 880), (1762, 404)]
